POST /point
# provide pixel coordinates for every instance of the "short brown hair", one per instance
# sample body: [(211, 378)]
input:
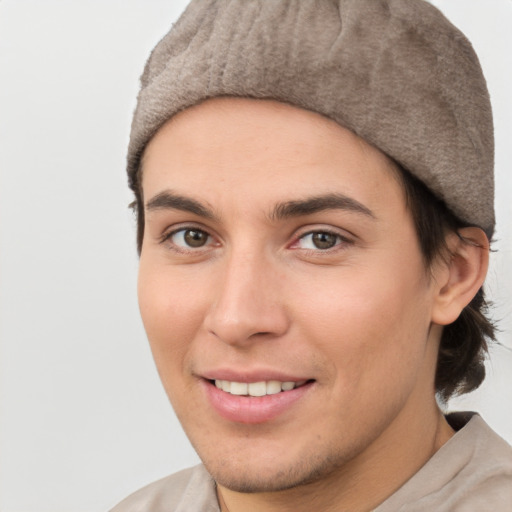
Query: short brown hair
[(464, 343)]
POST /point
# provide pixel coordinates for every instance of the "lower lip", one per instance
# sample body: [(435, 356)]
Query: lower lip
[(248, 409)]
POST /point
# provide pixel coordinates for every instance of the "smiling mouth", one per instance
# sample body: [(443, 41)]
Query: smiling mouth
[(255, 389)]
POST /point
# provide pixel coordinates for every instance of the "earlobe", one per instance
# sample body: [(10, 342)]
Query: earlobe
[(462, 275)]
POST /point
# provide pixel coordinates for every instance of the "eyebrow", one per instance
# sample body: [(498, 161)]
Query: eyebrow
[(170, 200), (288, 209), (320, 203)]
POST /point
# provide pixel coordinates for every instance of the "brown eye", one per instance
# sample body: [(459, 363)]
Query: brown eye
[(190, 238), (322, 240), (195, 238)]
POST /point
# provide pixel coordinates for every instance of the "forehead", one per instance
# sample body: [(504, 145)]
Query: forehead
[(252, 146)]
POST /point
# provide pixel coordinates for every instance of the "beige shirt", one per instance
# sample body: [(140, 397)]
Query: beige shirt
[(472, 472)]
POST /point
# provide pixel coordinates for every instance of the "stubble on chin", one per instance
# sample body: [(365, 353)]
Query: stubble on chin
[(276, 476)]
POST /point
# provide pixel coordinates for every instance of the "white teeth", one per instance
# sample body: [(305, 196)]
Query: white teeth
[(261, 388), (273, 387), (238, 388), (257, 389)]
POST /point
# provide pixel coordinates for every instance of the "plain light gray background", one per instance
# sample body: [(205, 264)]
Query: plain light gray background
[(84, 420)]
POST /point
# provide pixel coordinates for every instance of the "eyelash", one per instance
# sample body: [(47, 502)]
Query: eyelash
[(167, 238), (340, 241)]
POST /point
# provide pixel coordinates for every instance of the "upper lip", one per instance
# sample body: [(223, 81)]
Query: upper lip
[(237, 375)]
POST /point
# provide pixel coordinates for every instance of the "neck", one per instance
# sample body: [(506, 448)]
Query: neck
[(363, 483)]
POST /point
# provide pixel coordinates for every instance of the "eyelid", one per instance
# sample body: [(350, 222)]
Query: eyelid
[(185, 226), (344, 237)]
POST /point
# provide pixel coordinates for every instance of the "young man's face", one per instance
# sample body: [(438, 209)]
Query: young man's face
[(278, 248)]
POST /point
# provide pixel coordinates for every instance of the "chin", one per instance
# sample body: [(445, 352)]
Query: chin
[(273, 476)]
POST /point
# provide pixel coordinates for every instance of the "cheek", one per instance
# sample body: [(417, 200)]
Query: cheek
[(368, 327), (172, 313)]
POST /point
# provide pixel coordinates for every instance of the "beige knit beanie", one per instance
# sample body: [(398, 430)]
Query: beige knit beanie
[(395, 72)]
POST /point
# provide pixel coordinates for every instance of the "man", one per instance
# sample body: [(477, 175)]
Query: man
[(313, 184)]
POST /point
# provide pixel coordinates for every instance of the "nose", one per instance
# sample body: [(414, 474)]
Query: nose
[(248, 301)]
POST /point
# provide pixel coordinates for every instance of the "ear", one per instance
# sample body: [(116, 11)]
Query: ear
[(461, 276)]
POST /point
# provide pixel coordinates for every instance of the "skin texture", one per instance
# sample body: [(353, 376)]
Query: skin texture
[(361, 320)]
